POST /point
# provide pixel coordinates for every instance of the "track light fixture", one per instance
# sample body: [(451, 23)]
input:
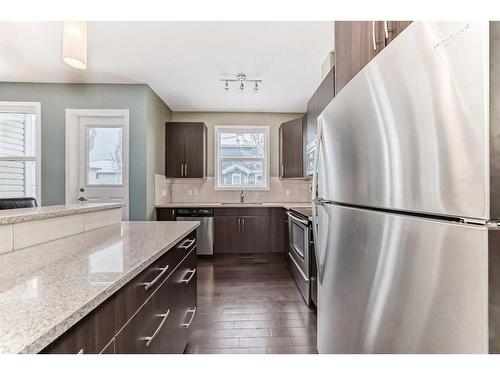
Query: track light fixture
[(241, 79)]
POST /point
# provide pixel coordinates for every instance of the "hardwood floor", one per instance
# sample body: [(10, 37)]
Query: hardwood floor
[(250, 305)]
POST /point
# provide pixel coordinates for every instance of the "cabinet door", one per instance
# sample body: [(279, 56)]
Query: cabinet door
[(326, 91), (291, 145), (227, 235), (165, 214), (174, 149), (256, 233), (277, 236), (195, 148), (312, 116), (395, 28), (356, 43)]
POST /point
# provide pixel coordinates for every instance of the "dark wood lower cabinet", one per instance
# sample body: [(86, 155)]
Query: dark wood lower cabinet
[(90, 335), (150, 314), (249, 230), (227, 235), (182, 289), (165, 214), (256, 234), (279, 230)]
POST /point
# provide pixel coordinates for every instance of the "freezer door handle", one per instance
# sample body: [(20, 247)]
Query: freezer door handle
[(317, 201)]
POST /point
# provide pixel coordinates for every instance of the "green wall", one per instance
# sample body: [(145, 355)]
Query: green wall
[(157, 114), (145, 109)]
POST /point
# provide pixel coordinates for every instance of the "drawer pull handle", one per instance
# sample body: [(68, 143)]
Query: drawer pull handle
[(155, 280), (192, 272), (164, 317), (193, 312), (184, 246), (81, 351)]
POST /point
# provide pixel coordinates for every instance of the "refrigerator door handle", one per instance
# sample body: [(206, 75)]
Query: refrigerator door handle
[(317, 201)]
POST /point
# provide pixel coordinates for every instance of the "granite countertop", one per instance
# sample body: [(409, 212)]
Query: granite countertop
[(19, 215), (235, 204), (46, 289)]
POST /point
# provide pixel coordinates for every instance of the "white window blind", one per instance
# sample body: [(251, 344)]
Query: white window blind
[(18, 151), (242, 157)]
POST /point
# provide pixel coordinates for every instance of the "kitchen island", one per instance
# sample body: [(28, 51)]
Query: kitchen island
[(95, 283), (25, 227)]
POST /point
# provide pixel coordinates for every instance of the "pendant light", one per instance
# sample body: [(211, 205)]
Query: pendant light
[(75, 44)]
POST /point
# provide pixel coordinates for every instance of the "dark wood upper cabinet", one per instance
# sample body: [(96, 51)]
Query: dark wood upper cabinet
[(326, 92), (291, 149), (174, 150), (312, 114), (394, 28), (185, 149), (318, 102), (195, 150), (358, 42)]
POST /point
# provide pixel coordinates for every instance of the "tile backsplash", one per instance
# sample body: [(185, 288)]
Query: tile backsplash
[(203, 191)]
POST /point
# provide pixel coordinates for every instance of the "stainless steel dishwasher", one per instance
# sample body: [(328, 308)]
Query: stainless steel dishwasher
[(205, 232)]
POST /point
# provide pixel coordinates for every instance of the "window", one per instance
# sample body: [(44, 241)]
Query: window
[(104, 155), (19, 150), (242, 157)]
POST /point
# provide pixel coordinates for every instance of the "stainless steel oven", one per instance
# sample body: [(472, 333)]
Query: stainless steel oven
[(299, 232)]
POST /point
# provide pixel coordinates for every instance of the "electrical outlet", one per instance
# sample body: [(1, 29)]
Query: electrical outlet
[(164, 193), (287, 192)]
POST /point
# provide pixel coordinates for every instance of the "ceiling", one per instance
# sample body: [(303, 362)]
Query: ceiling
[(182, 62)]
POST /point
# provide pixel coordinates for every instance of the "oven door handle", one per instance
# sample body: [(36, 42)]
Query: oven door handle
[(295, 218), (298, 268)]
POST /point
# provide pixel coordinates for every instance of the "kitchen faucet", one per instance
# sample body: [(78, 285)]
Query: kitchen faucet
[(242, 197)]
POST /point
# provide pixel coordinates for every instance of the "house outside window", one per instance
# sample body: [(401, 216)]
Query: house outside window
[(20, 163), (242, 157)]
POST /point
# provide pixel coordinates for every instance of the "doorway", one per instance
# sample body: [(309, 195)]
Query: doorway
[(97, 156)]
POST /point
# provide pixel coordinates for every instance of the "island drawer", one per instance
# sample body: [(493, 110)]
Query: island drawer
[(133, 310), (139, 289), (160, 324)]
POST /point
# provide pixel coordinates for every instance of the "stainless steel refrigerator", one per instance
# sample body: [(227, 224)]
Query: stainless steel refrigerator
[(407, 200)]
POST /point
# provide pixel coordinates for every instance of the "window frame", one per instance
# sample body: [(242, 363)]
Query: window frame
[(28, 107), (266, 158)]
